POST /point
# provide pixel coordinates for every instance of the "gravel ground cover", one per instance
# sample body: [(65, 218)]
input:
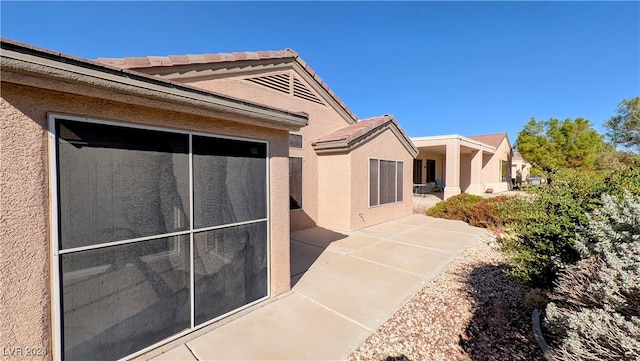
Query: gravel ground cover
[(471, 311)]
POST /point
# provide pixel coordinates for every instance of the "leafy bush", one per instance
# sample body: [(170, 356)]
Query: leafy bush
[(456, 207), (496, 212), (491, 213), (541, 229), (546, 226), (595, 313)]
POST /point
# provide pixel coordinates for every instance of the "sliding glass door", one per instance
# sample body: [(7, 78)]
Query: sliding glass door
[(158, 232)]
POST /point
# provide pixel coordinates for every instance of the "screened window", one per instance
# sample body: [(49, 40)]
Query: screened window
[(385, 182), (158, 232), (295, 141), (295, 183)]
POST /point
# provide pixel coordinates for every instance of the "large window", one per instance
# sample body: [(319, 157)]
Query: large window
[(158, 233), (385, 182), (505, 171), (295, 183)]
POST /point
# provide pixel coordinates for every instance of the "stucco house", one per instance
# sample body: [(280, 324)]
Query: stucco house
[(473, 164), (520, 168), (330, 157), (147, 200)]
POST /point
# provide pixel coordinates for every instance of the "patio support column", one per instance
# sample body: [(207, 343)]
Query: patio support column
[(452, 169), (475, 186)]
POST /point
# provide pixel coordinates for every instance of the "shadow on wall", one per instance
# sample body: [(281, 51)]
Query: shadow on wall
[(299, 219), (307, 246), (501, 325)]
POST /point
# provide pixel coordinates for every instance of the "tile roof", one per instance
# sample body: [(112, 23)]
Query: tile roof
[(493, 140), (354, 132), (518, 156), (134, 75), (176, 60)]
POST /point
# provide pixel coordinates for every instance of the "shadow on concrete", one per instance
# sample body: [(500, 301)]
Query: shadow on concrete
[(501, 325), (307, 246)]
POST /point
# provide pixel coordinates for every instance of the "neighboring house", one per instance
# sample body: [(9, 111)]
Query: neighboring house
[(329, 157), (472, 164), (138, 208), (520, 169)]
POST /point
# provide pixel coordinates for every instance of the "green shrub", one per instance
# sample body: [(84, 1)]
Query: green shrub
[(491, 213), (547, 224), (456, 207), (595, 313), (625, 179), (497, 212)]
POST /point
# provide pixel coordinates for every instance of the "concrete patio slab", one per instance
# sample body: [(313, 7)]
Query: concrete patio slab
[(444, 241), (317, 236), (455, 226), (293, 328), (365, 292), (423, 262), (179, 353), (353, 243), (383, 230), (305, 256), (345, 285), (415, 220)]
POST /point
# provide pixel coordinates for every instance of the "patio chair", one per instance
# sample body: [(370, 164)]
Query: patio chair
[(439, 186)]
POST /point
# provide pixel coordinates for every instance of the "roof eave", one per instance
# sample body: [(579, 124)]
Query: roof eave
[(27, 65), (346, 145)]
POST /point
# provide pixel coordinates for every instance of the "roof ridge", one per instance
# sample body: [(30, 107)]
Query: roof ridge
[(353, 133), (133, 63)]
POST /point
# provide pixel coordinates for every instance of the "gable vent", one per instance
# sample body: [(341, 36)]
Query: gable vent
[(279, 82), (282, 83), (301, 91)]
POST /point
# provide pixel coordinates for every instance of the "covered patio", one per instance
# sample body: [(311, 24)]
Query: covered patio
[(454, 161)]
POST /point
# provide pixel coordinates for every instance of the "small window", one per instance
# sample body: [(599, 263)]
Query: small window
[(385, 182), (295, 141), (295, 183)]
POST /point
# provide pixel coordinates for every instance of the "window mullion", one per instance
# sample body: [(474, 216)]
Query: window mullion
[(191, 250)]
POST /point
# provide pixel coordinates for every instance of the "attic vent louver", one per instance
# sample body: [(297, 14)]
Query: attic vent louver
[(301, 91), (282, 83), (279, 82)]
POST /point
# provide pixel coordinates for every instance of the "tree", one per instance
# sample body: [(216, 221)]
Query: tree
[(624, 128), (554, 144)]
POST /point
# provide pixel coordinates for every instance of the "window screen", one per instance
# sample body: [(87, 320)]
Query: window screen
[(385, 182), (124, 234)]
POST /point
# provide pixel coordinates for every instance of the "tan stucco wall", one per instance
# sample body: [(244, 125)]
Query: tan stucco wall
[(25, 256), (386, 147), (465, 172), (491, 175), (323, 119), (334, 191)]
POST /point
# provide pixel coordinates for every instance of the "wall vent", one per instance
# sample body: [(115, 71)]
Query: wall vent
[(279, 82), (282, 83), (301, 91)]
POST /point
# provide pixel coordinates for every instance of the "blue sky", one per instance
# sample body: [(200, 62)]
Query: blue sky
[(439, 67)]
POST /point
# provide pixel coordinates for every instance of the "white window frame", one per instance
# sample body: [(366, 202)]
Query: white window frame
[(56, 328), (395, 181)]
